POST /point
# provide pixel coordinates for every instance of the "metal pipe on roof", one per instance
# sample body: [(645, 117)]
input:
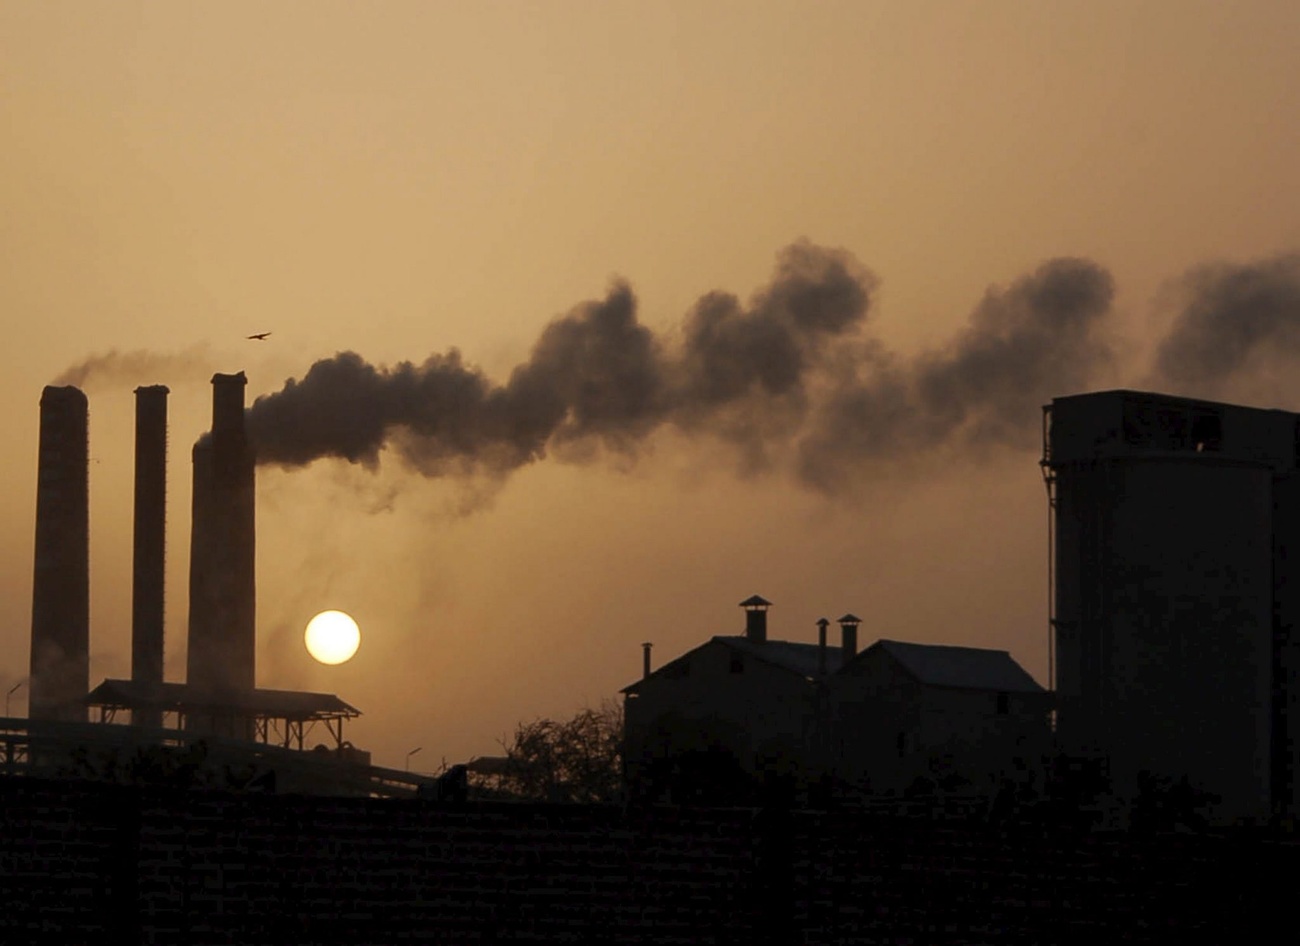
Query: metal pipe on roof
[(756, 618), (822, 624), (848, 637)]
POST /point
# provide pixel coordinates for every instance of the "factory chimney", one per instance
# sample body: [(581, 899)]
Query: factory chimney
[(60, 647), (222, 613), (150, 543)]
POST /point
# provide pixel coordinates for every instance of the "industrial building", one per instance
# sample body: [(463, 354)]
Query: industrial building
[(1175, 654), (732, 709), (220, 704), (905, 714), (740, 710), (1176, 594)]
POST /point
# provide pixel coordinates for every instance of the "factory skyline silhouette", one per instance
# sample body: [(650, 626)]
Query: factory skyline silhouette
[(790, 378), (1172, 614)]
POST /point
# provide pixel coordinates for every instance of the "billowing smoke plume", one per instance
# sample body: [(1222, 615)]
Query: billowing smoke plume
[(1237, 332), (793, 372), (793, 378), (124, 368), (1023, 345), (596, 373)]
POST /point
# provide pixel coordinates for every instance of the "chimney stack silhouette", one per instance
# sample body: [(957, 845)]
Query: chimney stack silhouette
[(60, 645), (147, 586), (222, 646)]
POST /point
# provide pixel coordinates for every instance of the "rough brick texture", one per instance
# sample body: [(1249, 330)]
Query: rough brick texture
[(80, 860)]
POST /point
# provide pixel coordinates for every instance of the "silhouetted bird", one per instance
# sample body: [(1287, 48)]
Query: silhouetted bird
[(260, 336)]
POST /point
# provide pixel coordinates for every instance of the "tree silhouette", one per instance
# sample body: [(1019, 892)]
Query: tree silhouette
[(574, 760)]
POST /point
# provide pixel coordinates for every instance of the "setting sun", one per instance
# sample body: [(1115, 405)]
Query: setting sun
[(332, 637)]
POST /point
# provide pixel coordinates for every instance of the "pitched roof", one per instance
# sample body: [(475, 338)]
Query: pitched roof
[(797, 658), (800, 658), (971, 668)]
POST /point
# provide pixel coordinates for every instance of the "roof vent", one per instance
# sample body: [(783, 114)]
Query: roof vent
[(848, 637), (756, 618)]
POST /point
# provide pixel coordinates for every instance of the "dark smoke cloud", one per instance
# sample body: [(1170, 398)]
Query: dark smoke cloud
[(792, 374), (791, 378), (1039, 338), (122, 368), (1236, 320), (594, 374)]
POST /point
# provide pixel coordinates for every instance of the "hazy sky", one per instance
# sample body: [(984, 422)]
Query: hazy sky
[(400, 179)]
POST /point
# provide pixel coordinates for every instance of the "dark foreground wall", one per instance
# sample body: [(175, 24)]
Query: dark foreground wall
[(81, 861)]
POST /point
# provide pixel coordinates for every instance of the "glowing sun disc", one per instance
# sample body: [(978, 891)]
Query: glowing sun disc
[(332, 637)]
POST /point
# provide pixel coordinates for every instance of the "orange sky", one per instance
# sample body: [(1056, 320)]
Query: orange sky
[(401, 178)]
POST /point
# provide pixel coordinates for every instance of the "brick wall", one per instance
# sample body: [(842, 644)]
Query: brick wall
[(79, 860)]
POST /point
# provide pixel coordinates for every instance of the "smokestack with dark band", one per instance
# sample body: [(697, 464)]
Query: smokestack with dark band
[(60, 650), (147, 598), (222, 645)]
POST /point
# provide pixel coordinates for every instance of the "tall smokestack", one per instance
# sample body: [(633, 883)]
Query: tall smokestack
[(150, 542), (222, 644), (60, 654), (201, 616)]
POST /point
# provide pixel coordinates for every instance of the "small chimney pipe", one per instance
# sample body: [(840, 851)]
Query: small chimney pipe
[(848, 637), (645, 659), (756, 618), (822, 624)]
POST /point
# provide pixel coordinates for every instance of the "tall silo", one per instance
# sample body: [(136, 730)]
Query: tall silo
[(1165, 622)]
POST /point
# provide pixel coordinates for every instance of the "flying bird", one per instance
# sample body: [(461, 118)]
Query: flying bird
[(260, 336)]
